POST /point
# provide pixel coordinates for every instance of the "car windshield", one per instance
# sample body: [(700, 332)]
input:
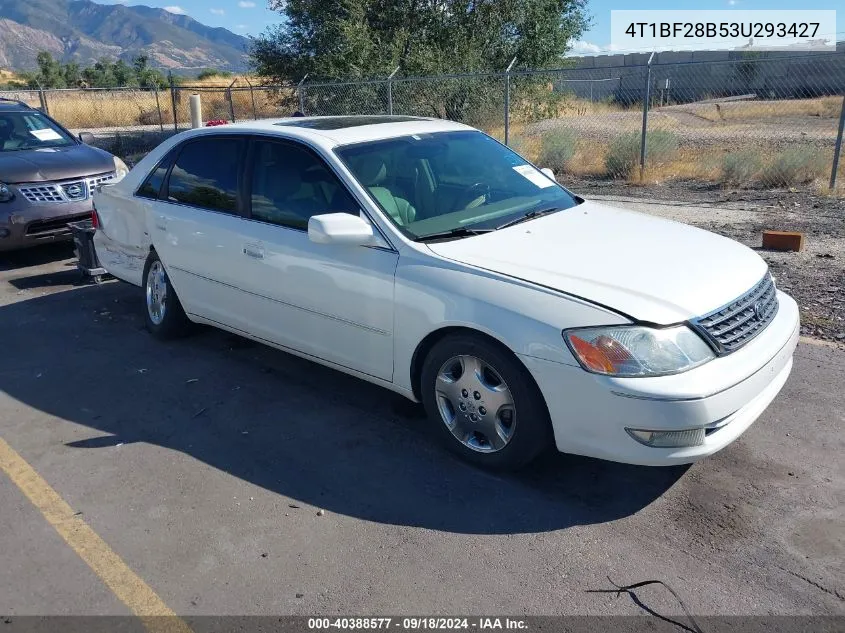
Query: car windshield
[(30, 130), (456, 183)]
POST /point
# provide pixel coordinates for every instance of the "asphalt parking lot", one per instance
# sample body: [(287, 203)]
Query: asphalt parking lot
[(230, 478)]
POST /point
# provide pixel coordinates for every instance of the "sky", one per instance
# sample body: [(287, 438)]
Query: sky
[(251, 17), (246, 17)]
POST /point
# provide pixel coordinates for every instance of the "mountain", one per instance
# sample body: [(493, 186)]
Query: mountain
[(83, 31)]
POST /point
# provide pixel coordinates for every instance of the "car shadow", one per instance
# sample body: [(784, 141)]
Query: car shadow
[(68, 277), (288, 425), (36, 255)]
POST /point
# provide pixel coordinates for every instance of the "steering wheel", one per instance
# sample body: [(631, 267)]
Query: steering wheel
[(476, 191)]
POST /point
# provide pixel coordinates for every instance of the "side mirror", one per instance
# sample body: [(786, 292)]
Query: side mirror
[(340, 228), (549, 173), (86, 137)]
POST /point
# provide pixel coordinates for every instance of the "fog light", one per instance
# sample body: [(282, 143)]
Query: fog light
[(668, 439), (5, 233)]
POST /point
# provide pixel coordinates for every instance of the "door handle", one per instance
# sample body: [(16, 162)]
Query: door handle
[(254, 250), (161, 223)]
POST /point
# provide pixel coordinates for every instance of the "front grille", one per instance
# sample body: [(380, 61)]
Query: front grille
[(64, 191), (95, 181), (731, 327), (54, 225), (42, 193)]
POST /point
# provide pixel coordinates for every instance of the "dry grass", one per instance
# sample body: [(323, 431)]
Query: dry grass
[(128, 108), (94, 109), (590, 159), (738, 111), (534, 109)]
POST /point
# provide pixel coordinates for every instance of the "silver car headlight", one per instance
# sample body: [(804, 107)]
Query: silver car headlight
[(636, 350), (120, 169), (6, 194)]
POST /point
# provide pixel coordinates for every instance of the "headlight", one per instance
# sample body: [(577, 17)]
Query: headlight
[(6, 194), (120, 169), (635, 350)]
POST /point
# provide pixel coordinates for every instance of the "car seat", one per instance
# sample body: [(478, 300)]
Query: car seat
[(372, 171)]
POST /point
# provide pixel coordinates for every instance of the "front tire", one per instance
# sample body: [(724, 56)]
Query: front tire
[(163, 313), (484, 403)]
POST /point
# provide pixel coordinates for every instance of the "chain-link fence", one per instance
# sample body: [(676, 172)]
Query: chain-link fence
[(764, 122), (130, 121), (747, 122), (126, 121), (742, 123)]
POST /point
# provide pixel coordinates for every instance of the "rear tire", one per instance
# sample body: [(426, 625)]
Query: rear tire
[(483, 403), (163, 313)]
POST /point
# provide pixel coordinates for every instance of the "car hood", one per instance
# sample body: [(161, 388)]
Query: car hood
[(58, 163), (645, 267)]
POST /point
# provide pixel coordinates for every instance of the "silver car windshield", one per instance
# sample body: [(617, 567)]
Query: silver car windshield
[(30, 130), (461, 182)]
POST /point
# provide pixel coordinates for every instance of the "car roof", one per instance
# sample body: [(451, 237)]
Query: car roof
[(332, 131), (8, 105)]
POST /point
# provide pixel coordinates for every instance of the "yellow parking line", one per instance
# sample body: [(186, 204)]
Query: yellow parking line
[(156, 616)]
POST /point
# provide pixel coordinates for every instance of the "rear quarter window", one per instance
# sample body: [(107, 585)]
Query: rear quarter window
[(206, 174)]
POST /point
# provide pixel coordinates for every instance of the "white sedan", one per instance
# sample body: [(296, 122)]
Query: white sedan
[(425, 257)]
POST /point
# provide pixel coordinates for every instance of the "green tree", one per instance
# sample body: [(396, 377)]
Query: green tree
[(50, 72), (124, 75), (72, 74), (147, 77), (367, 38), (100, 75)]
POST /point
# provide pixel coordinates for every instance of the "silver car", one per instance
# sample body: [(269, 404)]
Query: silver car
[(47, 177)]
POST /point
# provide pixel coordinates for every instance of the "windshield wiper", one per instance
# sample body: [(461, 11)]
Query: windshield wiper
[(528, 216), (458, 231)]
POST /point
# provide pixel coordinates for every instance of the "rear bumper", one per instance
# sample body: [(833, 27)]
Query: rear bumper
[(725, 396), (23, 224)]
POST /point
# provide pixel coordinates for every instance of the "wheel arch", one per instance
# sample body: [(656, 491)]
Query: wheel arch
[(432, 338)]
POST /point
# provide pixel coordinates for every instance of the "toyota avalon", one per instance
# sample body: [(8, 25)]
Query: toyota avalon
[(424, 256)]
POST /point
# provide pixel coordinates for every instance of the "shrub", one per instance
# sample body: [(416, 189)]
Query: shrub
[(741, 167), (794, 166), (623, 155), (518, 145), (209, 73), (150, 116), (557, 149)]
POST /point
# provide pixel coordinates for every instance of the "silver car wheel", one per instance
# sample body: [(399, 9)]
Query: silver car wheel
[(475, 404), (156, 292)]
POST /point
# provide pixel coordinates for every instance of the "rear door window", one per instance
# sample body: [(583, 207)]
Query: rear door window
[(152, 185), (289, 184), (206, 174)]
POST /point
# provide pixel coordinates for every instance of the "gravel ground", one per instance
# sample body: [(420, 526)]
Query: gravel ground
[(815, 276)]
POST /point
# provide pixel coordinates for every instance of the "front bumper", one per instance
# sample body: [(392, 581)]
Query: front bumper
[(725, 396), (24, 224)]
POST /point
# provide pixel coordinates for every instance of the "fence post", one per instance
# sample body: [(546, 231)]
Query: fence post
[(300, 92), (42, 97), (646, 98), (158, 107), (390, 91), (252, 97), (229, 97), (508, 100), (173, 100), (838, 149)]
